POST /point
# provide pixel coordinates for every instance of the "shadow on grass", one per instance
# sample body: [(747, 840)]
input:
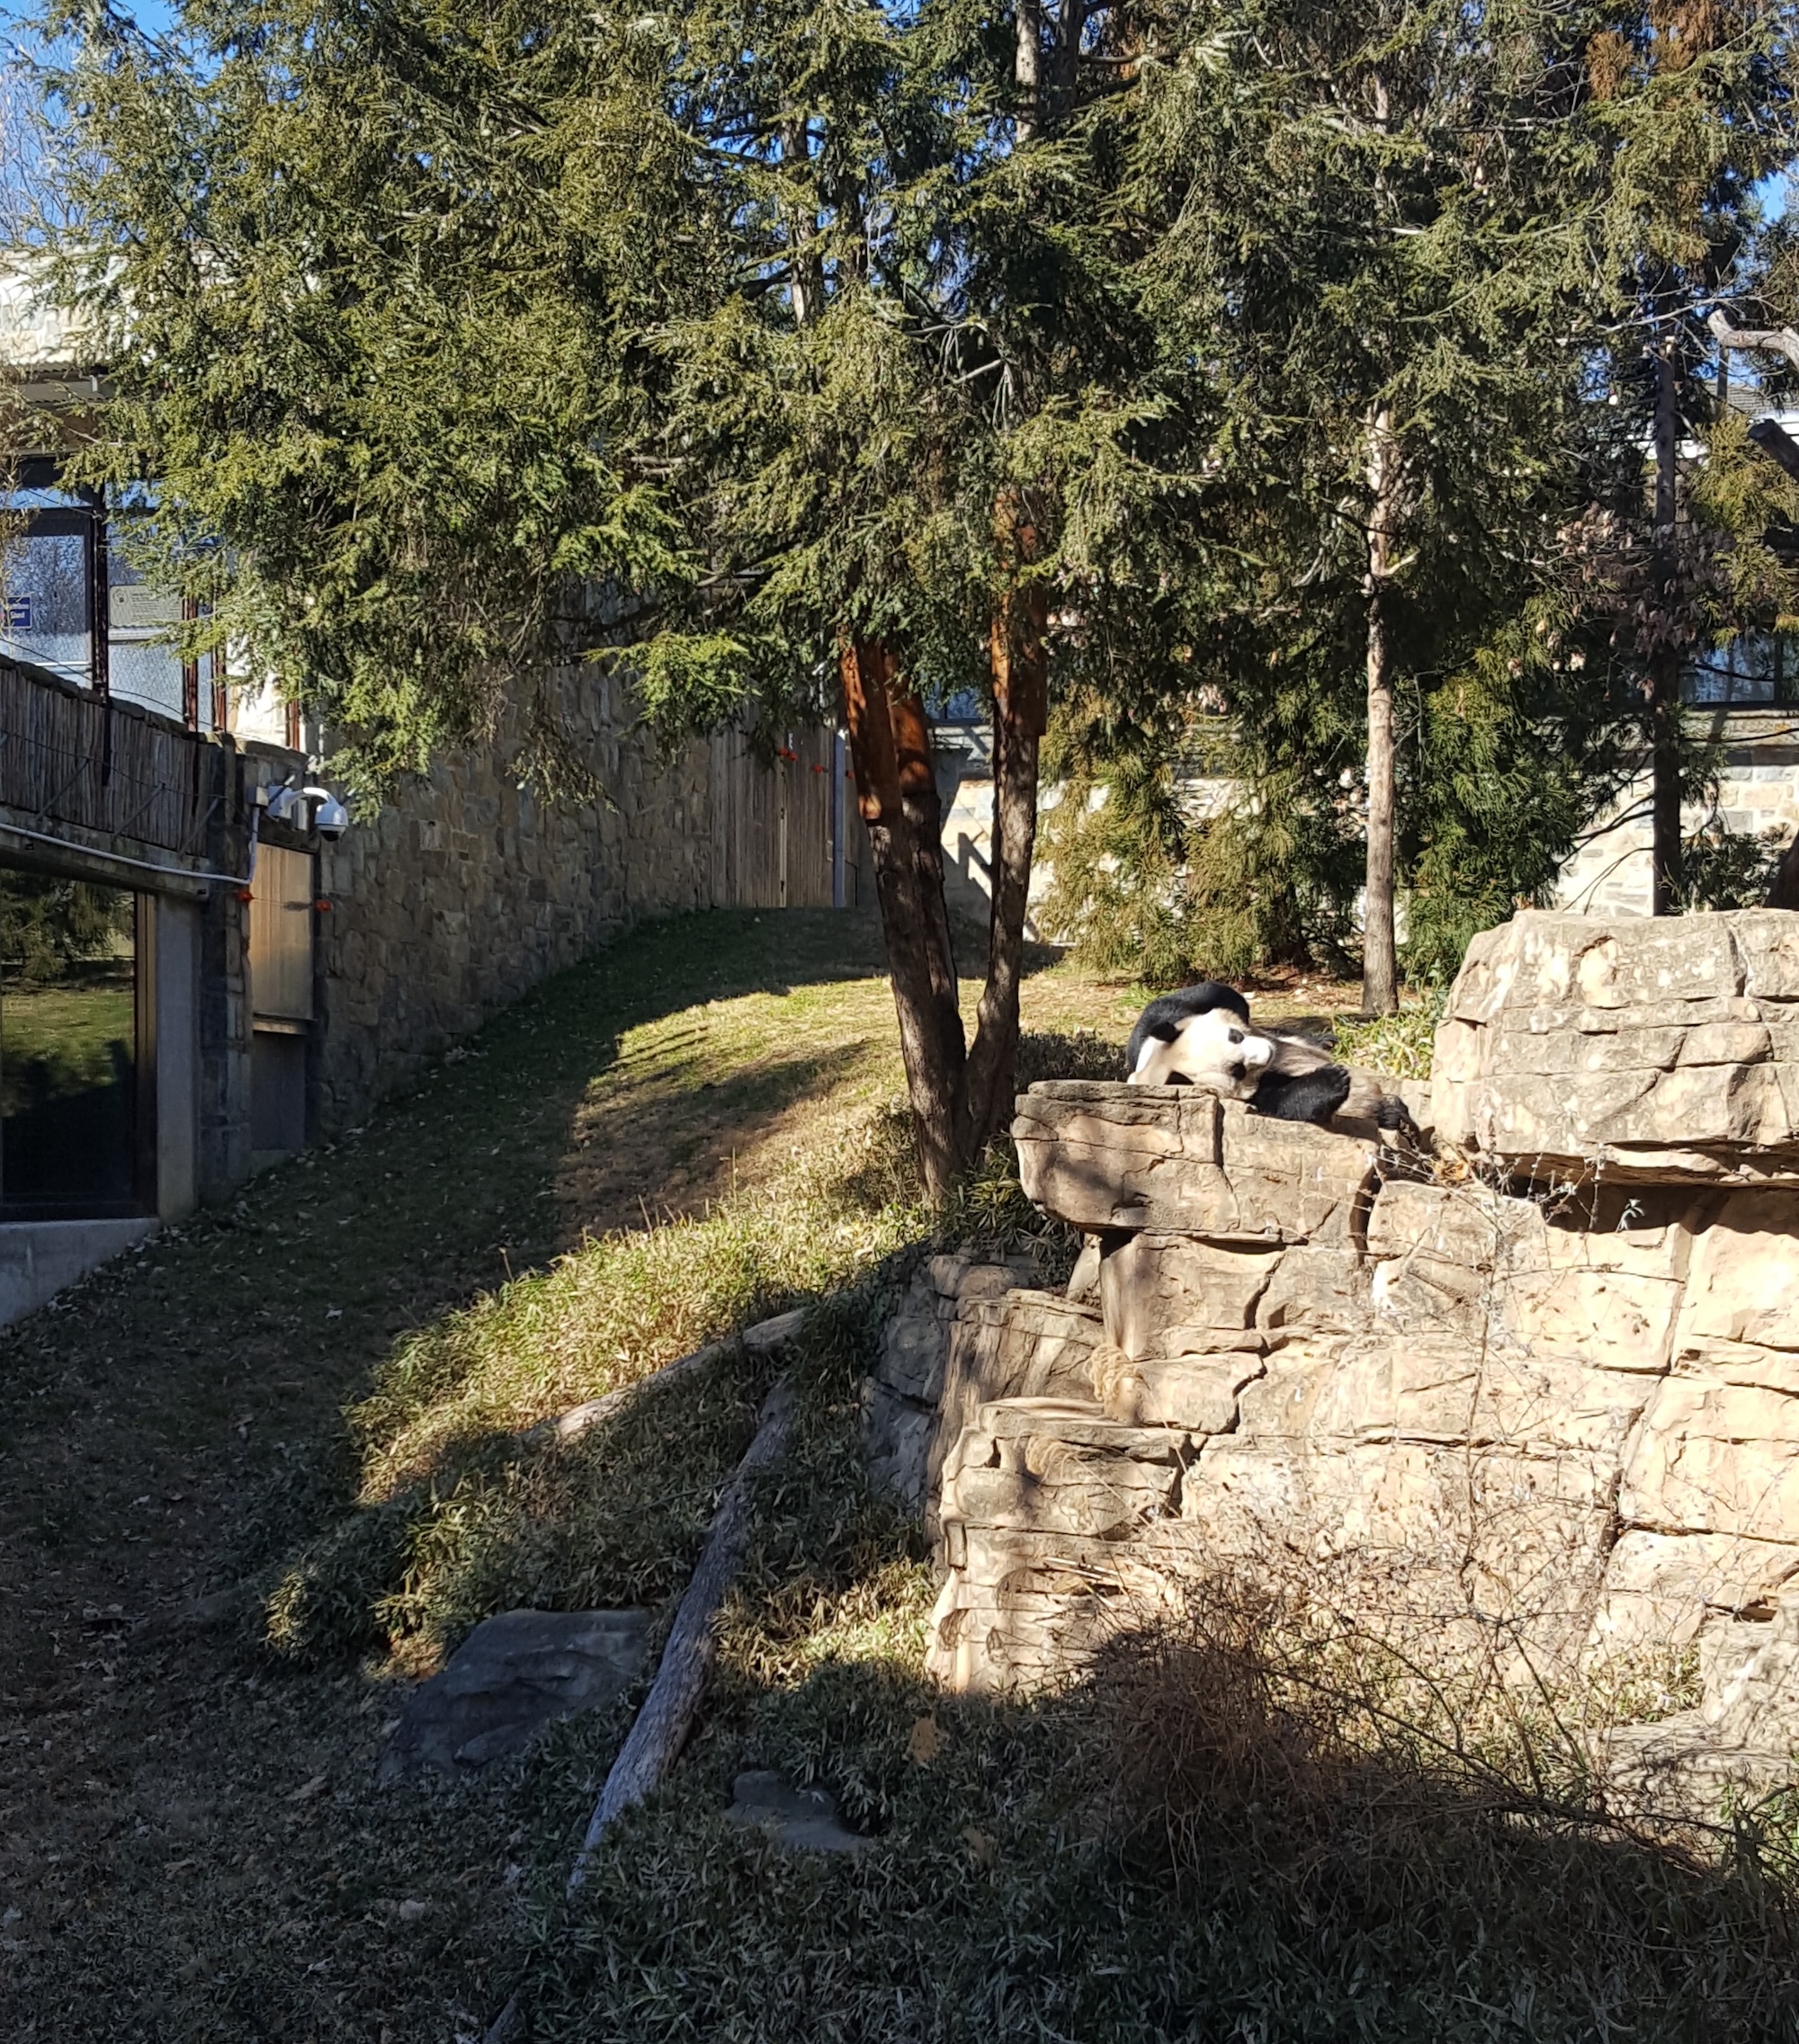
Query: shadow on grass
[(1206, 1838), (246, 1327)]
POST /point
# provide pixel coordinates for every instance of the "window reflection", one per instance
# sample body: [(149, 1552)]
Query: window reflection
[(68, 1048)]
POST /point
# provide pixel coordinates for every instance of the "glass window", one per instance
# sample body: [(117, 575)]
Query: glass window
[(71, 1125), (46, 611), (1754, 667), (142, 660)]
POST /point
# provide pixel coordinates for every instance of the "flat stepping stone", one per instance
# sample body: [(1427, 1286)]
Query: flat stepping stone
[(514, 1674), (799, 1820)]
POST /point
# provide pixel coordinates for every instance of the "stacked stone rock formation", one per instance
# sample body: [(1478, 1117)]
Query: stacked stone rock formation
[(1559, 1412)]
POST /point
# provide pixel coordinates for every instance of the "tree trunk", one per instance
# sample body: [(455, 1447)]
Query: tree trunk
[(1380, 954), (1027, 70), (1784, 892), (1664, 676), (890, 738), (1021, 702)]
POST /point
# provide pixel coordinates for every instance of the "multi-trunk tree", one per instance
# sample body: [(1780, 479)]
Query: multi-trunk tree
[(809, 329)]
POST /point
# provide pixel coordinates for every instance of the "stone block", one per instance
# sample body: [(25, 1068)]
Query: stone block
[(1107, 1157), (512, 1675), (1194, 1394), (901, 1398), (1316, 1288), (1462, 1259), (1660, 1588), (1634, 1050), (1166, 1295), (1743, 1286), (1715, 1458), (1060, 1465), (1028, 1345)]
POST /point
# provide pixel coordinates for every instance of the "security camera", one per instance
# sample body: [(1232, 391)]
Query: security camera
[(331, 818)]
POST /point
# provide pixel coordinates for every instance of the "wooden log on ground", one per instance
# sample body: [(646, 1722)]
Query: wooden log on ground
[(668, 1710)]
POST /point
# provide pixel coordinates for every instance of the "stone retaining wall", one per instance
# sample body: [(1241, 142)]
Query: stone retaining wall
[(467, 889)]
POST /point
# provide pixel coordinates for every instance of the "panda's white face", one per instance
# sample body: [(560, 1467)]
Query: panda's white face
[(1213, 1050)]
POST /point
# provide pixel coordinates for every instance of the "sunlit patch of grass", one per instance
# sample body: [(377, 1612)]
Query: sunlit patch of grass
[(460, 1515)]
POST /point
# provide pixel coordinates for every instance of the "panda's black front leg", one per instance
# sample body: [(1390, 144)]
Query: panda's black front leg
[(1311, 1096)]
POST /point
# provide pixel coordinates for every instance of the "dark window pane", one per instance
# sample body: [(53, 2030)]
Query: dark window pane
[(67, 1047)]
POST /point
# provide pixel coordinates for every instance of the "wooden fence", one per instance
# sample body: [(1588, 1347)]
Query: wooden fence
[(774, 827), (68, 756)]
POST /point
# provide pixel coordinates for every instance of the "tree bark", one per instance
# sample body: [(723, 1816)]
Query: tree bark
[(890, 738), (1027, 70), (1380, 952), (1664, 674), (1784, 892), (1021, 704)]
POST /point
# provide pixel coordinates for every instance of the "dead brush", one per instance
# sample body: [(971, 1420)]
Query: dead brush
[(1255, 1741)]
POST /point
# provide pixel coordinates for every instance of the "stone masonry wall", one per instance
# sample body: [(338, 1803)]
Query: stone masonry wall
[(467, 889), (1757, 795)]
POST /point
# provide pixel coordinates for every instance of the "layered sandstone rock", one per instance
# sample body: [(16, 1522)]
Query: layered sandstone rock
[(1562, 1428), (1646, 1050), (1102, 1156)]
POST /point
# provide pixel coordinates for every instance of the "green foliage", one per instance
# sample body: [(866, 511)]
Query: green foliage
[(49, 925), (1164, 870), (1722, 867), (1400, 1044), (1436, 219)]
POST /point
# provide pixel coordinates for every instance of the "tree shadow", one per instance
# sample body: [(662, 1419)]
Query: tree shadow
[(1183, 1845)]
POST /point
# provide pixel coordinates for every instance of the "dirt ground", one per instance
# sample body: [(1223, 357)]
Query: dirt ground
[(190, 1844)]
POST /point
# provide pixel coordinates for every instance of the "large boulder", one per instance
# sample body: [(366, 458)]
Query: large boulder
[(1662, 1050)]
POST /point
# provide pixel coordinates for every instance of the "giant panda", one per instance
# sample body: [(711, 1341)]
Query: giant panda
[(1202, 1036)]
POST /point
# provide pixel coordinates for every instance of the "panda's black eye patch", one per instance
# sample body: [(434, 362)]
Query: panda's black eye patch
[(1234, 1035)]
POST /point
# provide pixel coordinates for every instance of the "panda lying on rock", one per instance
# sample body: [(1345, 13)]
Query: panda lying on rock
[(1201, 1036)]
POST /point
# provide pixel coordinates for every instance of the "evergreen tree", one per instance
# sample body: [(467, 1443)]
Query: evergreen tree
[(809, 329), (1401, 228)]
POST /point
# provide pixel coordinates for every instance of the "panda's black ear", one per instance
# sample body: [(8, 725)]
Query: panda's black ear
[(1166, 1032)]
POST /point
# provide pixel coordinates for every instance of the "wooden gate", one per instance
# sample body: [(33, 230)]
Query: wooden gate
[(773, 826)]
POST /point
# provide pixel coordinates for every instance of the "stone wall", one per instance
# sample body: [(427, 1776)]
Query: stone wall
[(1558, 1420), (467, 889), (1757, 794)]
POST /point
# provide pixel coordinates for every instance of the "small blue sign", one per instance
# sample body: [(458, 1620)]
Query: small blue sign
[(18, 613)]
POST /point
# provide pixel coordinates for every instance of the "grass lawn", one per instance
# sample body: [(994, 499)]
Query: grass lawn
[(315, 1396)]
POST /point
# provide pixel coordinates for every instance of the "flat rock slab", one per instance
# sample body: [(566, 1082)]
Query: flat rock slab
[(799, 1820), (514, 1674), (1176, 1159)]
